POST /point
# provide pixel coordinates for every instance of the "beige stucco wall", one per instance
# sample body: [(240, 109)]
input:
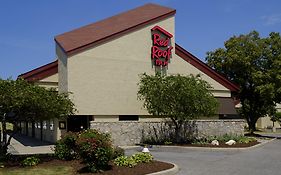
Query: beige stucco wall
[(108, 118), (62, 70), (265, 122), (104, 79), (149, 118), (52, 78), (49, 82), (178, 65)]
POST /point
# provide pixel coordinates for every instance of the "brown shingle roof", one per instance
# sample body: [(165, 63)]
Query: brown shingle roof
[(82, 38), (41, 72)]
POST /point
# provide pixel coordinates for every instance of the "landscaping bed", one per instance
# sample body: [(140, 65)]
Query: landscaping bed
[(221, 145), (51, 165), (86, 152), (223, 141)]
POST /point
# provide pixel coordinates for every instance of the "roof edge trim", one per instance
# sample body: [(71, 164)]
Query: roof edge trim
[(193, 60), (41, 72)]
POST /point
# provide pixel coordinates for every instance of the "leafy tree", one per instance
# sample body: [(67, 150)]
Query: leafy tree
[(180, 98), (276, 117), (254, 63), (22, 101)]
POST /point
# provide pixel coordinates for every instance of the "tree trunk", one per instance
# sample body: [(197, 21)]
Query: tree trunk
[(252, 125), (33, 129), (4, 130), (177, 130), (41, 130), (3, 152), (252, 128), (5, 143), (177, 134)]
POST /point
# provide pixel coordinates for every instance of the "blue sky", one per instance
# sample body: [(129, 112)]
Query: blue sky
[(27, 28)]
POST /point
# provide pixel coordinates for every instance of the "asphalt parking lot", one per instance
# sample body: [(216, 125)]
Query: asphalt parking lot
[(263, 160)]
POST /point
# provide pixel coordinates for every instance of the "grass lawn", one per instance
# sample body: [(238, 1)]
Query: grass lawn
[(52, 170)]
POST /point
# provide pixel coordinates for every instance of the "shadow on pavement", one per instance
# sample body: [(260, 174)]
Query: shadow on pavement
[(265, 135), (30, 141)]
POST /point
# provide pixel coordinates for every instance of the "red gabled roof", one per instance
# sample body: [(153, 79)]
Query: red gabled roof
[(205, 68), (41, 72), (88, 36)]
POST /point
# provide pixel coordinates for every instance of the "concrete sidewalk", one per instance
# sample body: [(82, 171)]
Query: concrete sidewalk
[(22, 144)]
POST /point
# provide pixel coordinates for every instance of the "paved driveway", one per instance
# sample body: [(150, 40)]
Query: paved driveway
[(264, 160)]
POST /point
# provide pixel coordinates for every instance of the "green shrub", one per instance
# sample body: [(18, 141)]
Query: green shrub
[(246, 140), (95, 149), (168, 143), (30, 161), (117, 152), (2, 165), (202, 141), (66, 148), (142, 157), (133, 160), (125, 161)]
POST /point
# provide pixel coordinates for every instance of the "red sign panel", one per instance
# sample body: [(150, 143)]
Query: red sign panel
[(161, 50)]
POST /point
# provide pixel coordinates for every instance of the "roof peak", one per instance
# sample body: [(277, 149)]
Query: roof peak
[(87, 36)]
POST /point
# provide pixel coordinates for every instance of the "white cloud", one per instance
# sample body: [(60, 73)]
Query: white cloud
[(272, 19)]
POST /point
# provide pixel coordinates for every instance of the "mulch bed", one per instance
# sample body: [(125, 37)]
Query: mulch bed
[(222, 145), (79, 168)]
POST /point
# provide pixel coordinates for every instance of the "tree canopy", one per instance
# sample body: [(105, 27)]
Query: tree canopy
[(23, 101), (254, 64), (181, 98)]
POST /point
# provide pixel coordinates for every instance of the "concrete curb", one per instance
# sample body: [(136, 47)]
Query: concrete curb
[(170, 171), (263, 143)]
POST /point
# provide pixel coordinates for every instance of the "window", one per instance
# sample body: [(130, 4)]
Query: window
[(128, 117), (39, 125), (51, 125), (44, 124)]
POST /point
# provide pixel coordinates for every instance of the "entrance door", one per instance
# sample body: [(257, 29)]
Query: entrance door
[(77, 123)]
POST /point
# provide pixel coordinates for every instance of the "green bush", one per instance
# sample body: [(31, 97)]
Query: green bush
[(66, 148), (125, 161), (2, 165), (202, 141), (142, 157), (30, 161), (168, 143), (133, 160), (118, 152), (246, 140), (95, 149)]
